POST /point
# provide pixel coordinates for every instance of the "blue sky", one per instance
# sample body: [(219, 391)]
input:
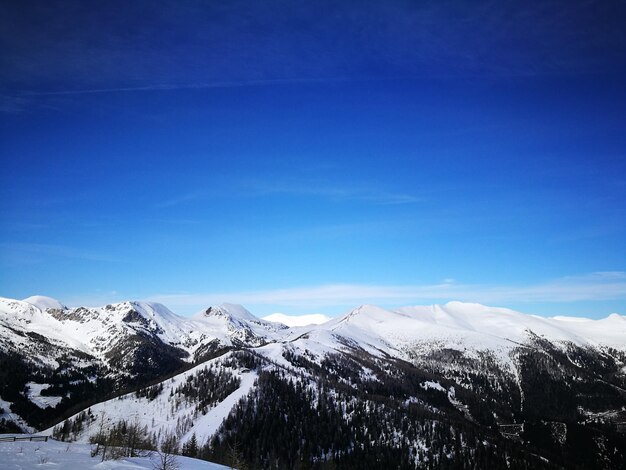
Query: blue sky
[(309, 157)]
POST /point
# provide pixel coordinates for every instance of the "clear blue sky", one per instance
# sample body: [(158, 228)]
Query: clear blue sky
[(311, 157)]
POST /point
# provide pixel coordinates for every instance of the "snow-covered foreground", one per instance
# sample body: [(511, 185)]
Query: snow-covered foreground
[(26, 455)]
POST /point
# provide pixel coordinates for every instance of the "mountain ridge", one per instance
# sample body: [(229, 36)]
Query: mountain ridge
[(98, 330), (487, 374)]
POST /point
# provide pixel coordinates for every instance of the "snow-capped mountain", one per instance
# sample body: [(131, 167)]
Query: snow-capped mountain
[(67, 356), (234, 325), (103, 332), (485, 374), (468, 326)]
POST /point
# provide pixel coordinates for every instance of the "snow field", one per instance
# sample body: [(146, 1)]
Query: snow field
[(26, 455), (34, 395)]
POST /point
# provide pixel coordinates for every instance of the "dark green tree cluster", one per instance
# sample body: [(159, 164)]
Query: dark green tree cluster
[(208, 386), (123, 439), (8, 427), (191, 448), (244, 359), (150, 392)]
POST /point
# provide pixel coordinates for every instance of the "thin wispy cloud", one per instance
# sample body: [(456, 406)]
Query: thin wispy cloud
[(337, 193), (592, 287), (305, 188), (190, 86)]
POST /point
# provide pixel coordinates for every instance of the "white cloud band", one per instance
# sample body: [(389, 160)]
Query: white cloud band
[(593, 287)]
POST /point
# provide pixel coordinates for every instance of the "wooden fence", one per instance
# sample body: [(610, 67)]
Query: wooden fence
[(24, 438)]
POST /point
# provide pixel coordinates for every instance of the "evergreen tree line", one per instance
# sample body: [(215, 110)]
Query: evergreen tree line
[(285, 425), (356, 420), (207, 387)]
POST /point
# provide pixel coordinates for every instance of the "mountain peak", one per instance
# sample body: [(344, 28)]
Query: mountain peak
[(151, 308), (227, 311), (367, 310), (43, 303)]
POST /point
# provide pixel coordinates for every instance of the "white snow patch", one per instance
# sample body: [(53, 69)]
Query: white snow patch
[(434, 385), (34, 395), (297, 320)]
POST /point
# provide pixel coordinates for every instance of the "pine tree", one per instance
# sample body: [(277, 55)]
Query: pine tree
[(190, 448)]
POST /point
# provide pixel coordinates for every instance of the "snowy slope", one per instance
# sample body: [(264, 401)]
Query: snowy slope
[(207, 425), (609, 331), (25, 316), (169, 412), (27, 455), (474, 325)]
